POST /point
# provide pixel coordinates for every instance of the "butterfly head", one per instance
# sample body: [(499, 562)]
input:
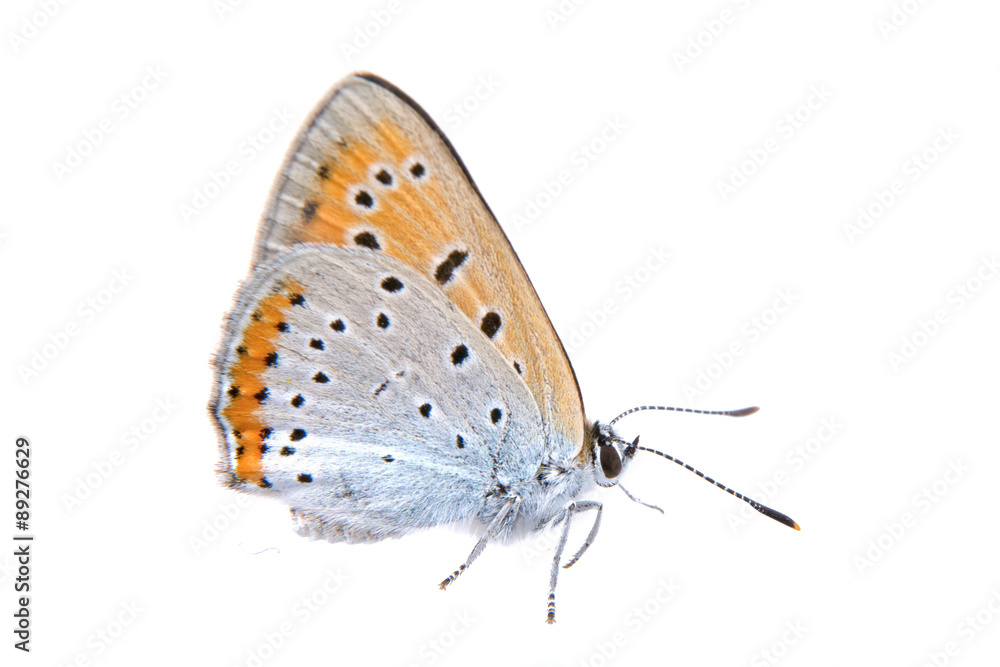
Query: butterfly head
[(611, 454)]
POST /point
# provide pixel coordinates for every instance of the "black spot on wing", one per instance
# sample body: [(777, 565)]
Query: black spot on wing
[(490, 324), (459, 354), (446, 268), (392, 284), (367, 240), (309, 211)]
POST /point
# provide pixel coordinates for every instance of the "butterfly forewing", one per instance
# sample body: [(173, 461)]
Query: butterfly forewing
[(371, 173)]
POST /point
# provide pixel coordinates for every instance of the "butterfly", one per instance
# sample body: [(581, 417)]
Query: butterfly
[(387, 366)]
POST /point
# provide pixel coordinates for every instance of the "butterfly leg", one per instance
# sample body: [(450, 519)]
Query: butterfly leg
[(590, 537), (571, 509), (500, 523), (636, 500)]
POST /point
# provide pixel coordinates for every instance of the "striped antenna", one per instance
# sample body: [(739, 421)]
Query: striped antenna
[(766, 511), (731, 413)]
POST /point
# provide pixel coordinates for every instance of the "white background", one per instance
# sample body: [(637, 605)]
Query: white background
[(897, 550)]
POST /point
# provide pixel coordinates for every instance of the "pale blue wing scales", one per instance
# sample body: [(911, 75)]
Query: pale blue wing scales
[(378, 461)]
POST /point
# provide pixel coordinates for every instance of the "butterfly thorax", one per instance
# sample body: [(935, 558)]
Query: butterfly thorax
[(562, 476)]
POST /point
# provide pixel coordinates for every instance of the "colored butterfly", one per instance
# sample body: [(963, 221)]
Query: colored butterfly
[(388, 366)]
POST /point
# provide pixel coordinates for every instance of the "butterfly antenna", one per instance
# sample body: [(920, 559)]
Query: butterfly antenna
[(743, 412), (763, 509)]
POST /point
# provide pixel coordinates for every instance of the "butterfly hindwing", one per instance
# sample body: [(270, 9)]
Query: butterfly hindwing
[(350, 386), (370, 172)]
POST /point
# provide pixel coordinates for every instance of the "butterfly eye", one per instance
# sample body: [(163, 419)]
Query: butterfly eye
[(611, 463)]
